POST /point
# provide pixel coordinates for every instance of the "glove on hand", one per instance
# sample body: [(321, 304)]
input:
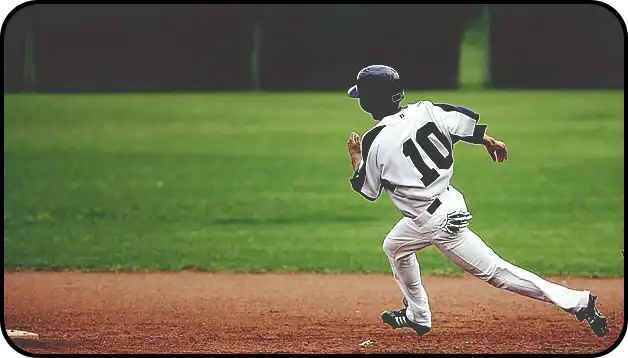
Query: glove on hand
[(456, 221)]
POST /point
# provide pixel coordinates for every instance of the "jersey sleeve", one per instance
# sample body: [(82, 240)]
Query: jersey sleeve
[(366, 180), (458, 120), (476, 138)]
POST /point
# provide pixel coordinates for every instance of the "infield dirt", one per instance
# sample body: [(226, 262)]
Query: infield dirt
[(193, 312)]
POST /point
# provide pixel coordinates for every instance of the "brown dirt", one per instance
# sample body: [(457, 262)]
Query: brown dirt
[(304, 313)]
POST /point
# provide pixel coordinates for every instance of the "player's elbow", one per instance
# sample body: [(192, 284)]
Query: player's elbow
[(365, 196), (369, 198), (358, 185)]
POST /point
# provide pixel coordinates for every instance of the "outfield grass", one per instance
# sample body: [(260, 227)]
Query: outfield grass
[(260, 182)]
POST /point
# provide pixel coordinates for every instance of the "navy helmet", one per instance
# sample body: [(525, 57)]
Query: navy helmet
[(378, 88)]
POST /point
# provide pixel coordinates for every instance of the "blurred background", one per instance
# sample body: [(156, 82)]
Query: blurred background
[(214, 136), (310, 47)]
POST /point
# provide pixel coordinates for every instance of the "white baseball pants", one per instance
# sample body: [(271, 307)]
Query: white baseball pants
[(470, 253)]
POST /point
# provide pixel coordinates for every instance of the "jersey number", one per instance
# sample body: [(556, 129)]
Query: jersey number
[(429, 175)]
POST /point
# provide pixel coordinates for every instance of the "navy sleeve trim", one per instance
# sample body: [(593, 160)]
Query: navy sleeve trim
[(460, 109), (388, 185), (359, 176), (476, 138), (366, 196)]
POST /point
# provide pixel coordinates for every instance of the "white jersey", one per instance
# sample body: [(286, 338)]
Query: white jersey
[(410, 154)]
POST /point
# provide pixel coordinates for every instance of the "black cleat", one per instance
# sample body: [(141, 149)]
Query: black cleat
[(398, 319), (595, 319)]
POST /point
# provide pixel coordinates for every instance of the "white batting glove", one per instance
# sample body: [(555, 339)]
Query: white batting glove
[(456, 221)]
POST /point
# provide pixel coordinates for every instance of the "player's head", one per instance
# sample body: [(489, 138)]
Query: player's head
[(379, 90)]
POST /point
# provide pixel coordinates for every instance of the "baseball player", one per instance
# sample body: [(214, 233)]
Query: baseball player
[(409, 154)]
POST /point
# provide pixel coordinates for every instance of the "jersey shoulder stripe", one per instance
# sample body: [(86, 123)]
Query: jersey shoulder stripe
[(460, 109)]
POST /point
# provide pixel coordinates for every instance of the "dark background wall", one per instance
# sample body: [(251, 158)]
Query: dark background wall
[(142, 47), (14, 37), (324, 46), (555, 46), (303, 47)]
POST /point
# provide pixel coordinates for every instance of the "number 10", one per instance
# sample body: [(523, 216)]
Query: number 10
[(429, 175)]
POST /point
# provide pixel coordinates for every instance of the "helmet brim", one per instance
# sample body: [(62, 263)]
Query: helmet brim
[(353, 92)]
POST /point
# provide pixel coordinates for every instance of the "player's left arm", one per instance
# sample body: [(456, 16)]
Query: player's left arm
[(479, 131), (495, 148), (464, 127)]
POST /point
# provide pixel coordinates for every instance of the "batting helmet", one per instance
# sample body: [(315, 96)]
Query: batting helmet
[(378, 88)]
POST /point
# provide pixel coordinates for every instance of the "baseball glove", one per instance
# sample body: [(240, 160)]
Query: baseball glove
[(456, 221)]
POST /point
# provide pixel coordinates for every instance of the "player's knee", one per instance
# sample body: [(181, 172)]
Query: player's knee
[(406, 261), (390, 247), (497, 281), (497, 274)]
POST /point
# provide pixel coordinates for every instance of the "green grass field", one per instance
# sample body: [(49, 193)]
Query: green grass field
[(260, 182)]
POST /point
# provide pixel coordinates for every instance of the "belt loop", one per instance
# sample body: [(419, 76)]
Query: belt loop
[(427, 214)]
